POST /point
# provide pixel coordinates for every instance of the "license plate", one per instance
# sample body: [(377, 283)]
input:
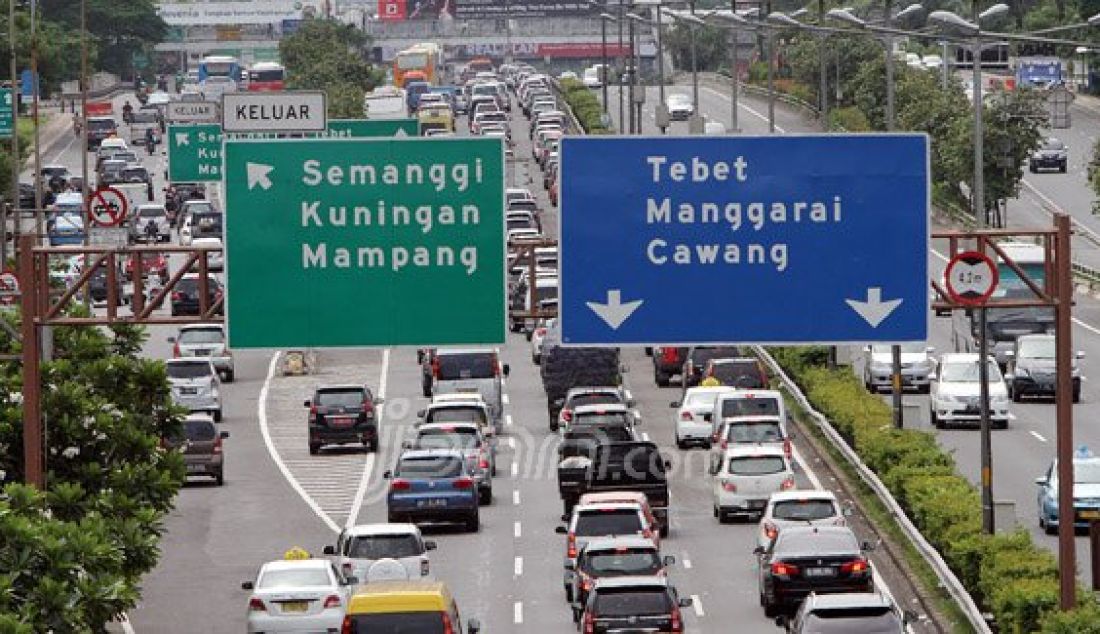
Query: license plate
[(342, 421), (757, 504), (194, 468), (295, 606), (202, 352), (820, 572), (432, 503), (189, 390), (1089, 515)]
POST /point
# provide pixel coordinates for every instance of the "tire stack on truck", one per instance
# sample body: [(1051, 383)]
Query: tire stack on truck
[(564, 368)]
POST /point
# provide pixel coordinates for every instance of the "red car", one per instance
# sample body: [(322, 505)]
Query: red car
[(152, 264)]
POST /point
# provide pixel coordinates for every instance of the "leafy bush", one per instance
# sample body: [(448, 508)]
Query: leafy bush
[(849, 119), (1015, 580), (584, 104)]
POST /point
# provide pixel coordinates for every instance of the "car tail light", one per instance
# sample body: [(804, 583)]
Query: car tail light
[(787, 484), (218, 445), (589, 623), (463, 483), (728, 486), (425, 567), (176, 350), (541, 332), (668, 355), (332, 601), (586, 582), (770, 530), (686, 415), (347, 568), (435, 368), (348, 626), (783, 569), (176, 296), (256, 604), (856, 566), (368, 409), (567, 415), (677, 624), (400, 485), (787, 449), (484, 464), (571, 546), (448, 627)]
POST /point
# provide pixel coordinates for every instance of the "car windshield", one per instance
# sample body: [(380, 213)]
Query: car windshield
[(1086, 472), (456, 415), (340, 398), (757, 465), (199, 430), (820, 543), (870, 620), (201, 335), (754, 431), (430, 467), (738, 373), (967, 372), (396, 623), (293, 578), (906, 348), (700, 356), (200, 207), (803, 510), (473, 365), (151, 212), (594, 398), (380, 546), (622, 561), (447, 439), (189, 370), (1037, 348), (101, 124), (609, 521), (602, 419), (767, 406), (632, 602), (190, 285), (1053, 144)]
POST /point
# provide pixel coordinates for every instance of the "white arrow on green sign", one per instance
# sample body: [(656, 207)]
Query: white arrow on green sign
[(365, 242), (195, 150), (7, 112)]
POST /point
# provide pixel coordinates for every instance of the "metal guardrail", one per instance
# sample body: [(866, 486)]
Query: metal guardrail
[(574, 122), (930, 555)]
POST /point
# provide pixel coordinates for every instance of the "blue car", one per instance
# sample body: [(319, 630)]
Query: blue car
[(433, 485), (1086, 492)]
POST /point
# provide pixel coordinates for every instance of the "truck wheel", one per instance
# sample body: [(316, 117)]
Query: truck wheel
[(661, 379), (315, 448), (473, 522), (485, 496), (229, 376)]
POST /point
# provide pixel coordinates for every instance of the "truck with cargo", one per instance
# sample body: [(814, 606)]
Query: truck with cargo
[(563, 368)]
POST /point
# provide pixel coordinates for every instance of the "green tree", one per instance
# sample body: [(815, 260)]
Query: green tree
[(711, 50), (332, 56), (119, 28), (72, 556)]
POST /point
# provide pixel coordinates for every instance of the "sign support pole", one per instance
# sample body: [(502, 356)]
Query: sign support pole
[(895, 353), (986, 439), (34, 472), (1063, 395)]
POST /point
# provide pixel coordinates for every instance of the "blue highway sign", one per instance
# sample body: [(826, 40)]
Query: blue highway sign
[(777, 239)]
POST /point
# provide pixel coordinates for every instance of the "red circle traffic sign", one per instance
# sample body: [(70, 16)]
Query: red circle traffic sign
[(9, 287), (971, 278), (108, 207)]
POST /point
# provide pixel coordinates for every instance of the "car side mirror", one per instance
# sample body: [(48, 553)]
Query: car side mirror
[(670, 560), (867, 546), (171, 340), (782, 621), (429, 545), (759, 550), (386, 475), (329, 550), (685, 602), (306, 403), (351, 581), (674, 404), (473, 626), (1080, 354), (223, 435), (406, 444), (561, 530), (565, 517), (569, 565), (668, 464), (631, 402), (1041, 481), (420, 413), (247, 585), (506, 369)]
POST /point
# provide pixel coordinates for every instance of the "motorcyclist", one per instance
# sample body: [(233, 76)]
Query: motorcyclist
[(151, 230), (150, 140), (127, 113)]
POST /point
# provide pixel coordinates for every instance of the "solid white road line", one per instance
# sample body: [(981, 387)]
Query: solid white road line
[(751, 111), (697, 605), (517, 612), (368, 466), (261, 414)]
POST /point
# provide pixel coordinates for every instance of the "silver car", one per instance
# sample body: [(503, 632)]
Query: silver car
[(359, 548), (150, 224), (917, 367), (467, 438), (204, 340), (195, 385)]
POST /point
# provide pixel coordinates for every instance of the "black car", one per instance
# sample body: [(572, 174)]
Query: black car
[(633, 604), (185, 295), (201, 445), (98, 286), (696, 359), (1052, 154), (26, 197), (805, 559), (746, 373), (342, 414), (668, 361)]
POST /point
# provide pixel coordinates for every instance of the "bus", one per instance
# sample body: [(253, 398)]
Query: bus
[(218, 74), (425, 57), (266, 77), (385, 102)]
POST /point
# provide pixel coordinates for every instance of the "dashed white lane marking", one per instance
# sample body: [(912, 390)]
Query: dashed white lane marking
[(687, 562), (124, 620), (517, 529), (368, 467), (645, 436), (517, 568), (515, 469), (508, 420), (504, 398), (1038, 436), (697, 605), (261, 414), (515, 497), (747, 109), (517, 612), (512, 442)]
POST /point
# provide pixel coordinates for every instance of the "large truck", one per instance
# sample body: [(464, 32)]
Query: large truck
[(1038, 72), (563, 368), (386, 102), (610, 467)]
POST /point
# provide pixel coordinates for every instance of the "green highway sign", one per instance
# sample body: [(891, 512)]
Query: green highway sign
[(364, 242), (7, 112), (194, 153)]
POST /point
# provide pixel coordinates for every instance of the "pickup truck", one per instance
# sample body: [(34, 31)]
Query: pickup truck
[(589, 465)]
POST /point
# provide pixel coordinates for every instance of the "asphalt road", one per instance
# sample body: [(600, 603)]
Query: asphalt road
[(1025, 450), (508, 574)]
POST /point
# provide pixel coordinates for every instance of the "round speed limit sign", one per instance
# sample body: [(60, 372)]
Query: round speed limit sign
[(971, 278), (9, 288)]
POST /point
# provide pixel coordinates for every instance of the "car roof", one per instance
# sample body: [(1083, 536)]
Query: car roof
[(360, 530), (959, 356), (843, 600), (594, 389), (605, 506), (457, 399), (755, 418), (802, 494), (710, 389), (203, 326), (188, 360), (626, 541), (606, 408), (416, 454), (751, 394), (631, 581), (446, 351), (381, 597), (614, 497), (291, 564), (741, 450), (340, 386), (448, 426)]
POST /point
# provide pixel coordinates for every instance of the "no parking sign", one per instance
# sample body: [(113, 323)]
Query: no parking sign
[(108, 207)]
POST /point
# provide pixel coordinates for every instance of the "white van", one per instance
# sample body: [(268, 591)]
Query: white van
[(738, 403)]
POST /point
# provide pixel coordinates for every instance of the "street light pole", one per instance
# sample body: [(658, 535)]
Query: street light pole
[(603, 69), (734, 127), (979, 134), (889, 42), (633, 72), (822, 70), (694, 67), (620, 65), (14, 206), (34, 115), (660, 59)]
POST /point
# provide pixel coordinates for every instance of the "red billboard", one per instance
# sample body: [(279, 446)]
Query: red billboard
[(391, 10)]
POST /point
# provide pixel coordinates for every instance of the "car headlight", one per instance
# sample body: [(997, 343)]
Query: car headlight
[(999, 400), (881, 366)]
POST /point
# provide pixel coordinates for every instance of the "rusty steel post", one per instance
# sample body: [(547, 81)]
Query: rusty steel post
[(1063, 395), (1094, 553), (34, 472)]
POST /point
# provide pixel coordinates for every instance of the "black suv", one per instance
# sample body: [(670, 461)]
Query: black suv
[(667, 361), (341, 414), (805, 559), (201, 445), (696, 359), (633, 604), (185, 295)]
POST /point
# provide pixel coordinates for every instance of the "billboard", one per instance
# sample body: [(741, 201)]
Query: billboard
[(392, 10), (534, 50), (236, 13), (494, 9)]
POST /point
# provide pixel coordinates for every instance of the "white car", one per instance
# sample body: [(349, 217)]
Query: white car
[(743, 478), (215, 259), (359, 548), (537, 336), (917, 366), (680, 107), (195, 385), (206, 341), (799, 508), (591, 78), (298, 595), (738, 403), (770, 431), (955, 392), (692, 420)]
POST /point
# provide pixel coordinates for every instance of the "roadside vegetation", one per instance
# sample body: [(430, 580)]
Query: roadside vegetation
[(331, 56)]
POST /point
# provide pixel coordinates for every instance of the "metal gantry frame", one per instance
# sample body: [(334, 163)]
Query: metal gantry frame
[(1054, 291), (525, 248), (40, 307)]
